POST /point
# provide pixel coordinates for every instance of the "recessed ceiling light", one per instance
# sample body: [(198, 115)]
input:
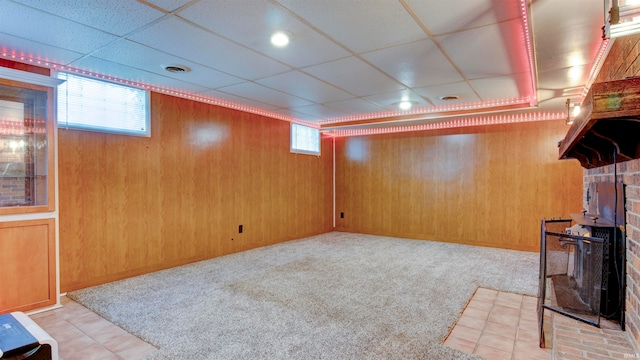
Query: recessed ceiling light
[(405, 105), (280, 39), (449, 97), (177, 69)]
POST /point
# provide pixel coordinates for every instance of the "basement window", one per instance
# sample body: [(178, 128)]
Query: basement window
[(96, 105), (305, 140)]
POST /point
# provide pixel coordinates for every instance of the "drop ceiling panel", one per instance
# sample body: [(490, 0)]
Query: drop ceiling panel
[(31, 24), (391, 101), (293, 113), (305, 86), (120, 71), (576, 46), (355, 56), (26, 48), (169, 5), (355, 76), (562, 78), (502, 87), (238, 99), (462, 89), (493, 50), (264, 94), (415, 64), (251, 23), (361, 26), (318, 112), (353, 107), (135, 55), (448, 16), (178, 37), (100, 14)]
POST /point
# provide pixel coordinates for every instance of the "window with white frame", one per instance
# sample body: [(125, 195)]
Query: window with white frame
[(96, 105), (305, 139)]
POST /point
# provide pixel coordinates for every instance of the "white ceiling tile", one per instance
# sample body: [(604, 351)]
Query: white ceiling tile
[(238, 100), (317, 111), (264, 94), (124, 72), (251, 23), (178, 37), (488, 51), (138, 56), (169, 5), (390, 101), (442, 17), (462, 89), (572, 48), (117, 17), (291, 112), (225, 42), (31, 49), (31, 24), (355, 76), (503, 87), (305, 86), (416, 64), (561, 78), (353, 106), (360, 25)]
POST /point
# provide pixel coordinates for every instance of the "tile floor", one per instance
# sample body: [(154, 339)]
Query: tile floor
[(504, 326), (495, 325), (84, 335)]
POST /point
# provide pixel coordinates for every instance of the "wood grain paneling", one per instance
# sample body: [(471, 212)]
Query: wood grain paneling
[(131, 205), (486, 186), (27, 255)]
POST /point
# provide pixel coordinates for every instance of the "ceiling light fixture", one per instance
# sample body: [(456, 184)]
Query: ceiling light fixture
[(280, 39), (621, 18), (405, 105), (573, 110)]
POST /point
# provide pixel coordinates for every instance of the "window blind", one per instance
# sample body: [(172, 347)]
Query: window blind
[(305, 139), (96, 105)]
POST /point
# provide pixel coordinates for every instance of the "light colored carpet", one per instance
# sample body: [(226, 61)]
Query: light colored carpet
[(331, 296)]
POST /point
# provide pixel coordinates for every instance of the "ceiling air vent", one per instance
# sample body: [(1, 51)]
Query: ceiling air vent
[(449, 97), (177, 69)]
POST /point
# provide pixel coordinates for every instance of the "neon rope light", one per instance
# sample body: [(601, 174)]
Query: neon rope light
[(163, 90), (427, 110), (457, 123)]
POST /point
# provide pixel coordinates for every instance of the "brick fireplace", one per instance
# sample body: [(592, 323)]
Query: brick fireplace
[(622, 62)]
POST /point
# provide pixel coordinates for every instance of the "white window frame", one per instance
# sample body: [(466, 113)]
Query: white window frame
[(65, 116), (305, 139)]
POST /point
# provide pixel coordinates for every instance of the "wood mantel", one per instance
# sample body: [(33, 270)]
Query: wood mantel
[(608, 124)]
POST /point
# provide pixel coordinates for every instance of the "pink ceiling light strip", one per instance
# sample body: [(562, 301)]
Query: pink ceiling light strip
[(181, 94), (427, 110), (524, 9), (603, 50), (457, 123)]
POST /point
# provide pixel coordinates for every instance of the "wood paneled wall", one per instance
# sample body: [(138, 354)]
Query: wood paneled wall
[(486, 186), (131, 205), (28, 258)]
